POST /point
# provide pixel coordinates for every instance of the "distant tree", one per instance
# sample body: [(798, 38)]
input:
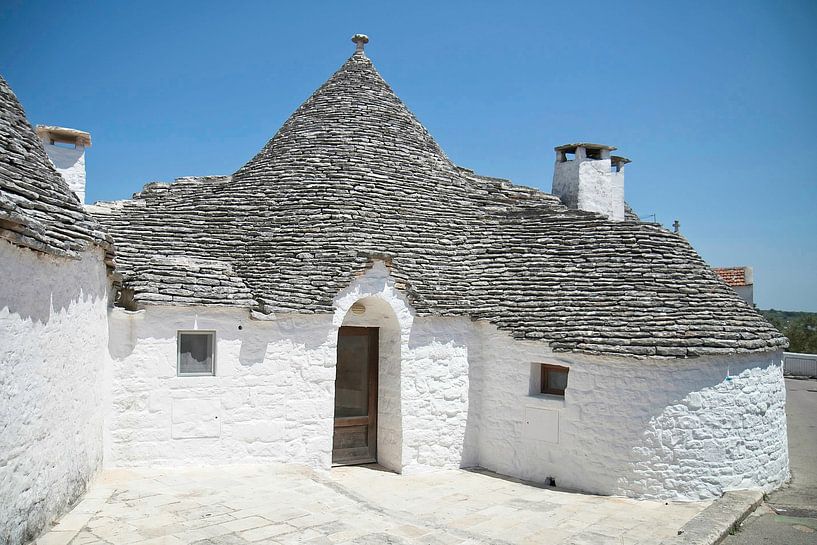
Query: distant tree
[(802, 334), (777, 321), (799, 327)]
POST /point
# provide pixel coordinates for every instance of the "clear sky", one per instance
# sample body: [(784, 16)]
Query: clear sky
[(715, 102)]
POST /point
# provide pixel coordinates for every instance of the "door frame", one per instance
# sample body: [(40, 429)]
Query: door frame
[(359, 455)]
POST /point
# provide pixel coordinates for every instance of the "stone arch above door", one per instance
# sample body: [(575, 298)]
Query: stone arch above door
[(372, 301)]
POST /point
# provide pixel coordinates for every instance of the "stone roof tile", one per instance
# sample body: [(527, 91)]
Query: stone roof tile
[(352, 176), (37, 209)]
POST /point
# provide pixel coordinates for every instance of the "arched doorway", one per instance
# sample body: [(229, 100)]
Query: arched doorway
[(368, 414)]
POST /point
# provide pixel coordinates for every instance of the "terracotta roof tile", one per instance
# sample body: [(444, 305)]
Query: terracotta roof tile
[(733, 276)]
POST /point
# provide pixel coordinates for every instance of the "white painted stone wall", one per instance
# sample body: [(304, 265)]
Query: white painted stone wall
[(70, 163), (590, 184), (671, 429), (453, 393), (617, 194), (596, 187), (566, 182), (440, 407), (272, 398), (53, 349)]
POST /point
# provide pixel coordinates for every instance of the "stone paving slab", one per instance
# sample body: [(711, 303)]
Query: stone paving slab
[(715, 522), (365, 505)]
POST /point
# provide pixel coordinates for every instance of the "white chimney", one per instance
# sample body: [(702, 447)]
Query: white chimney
[(587, 177), (66, 149)]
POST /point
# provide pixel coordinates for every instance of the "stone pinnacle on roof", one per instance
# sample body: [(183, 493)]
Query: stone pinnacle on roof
[(360, 41)]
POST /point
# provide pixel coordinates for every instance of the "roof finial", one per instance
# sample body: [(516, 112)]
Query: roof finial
[(360, 41)]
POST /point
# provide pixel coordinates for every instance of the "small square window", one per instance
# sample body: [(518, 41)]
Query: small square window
[(197, 353), (554, 379)]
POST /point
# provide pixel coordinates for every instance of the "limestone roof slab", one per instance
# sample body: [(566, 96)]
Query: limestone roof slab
[(64, 134), (352, 177), (587, 145), (37, 209)]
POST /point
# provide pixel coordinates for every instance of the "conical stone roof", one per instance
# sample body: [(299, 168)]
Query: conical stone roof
[(353, 117), (353, 177), (37, 209)]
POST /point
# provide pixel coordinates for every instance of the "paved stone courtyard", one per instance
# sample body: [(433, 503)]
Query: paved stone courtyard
[(289, 504)]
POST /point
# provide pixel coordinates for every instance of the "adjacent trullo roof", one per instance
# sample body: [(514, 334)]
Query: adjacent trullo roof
[(353, 177), (37, 209)]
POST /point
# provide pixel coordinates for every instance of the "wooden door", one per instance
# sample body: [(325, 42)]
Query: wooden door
[(355, 437)]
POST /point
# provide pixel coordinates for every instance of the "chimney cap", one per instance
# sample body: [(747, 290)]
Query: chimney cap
[(53, 133), (618, 159), (571, 148)]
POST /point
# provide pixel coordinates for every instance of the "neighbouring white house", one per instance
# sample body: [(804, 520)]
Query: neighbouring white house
[(349, 296), (740, 279)]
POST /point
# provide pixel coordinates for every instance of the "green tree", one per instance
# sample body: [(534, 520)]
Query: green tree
[(799, 327), (802, 334)]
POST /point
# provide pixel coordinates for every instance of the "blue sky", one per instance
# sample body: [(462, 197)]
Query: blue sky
[(715, 103)]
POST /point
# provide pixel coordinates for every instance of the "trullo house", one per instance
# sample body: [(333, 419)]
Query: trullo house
[(350, 295)]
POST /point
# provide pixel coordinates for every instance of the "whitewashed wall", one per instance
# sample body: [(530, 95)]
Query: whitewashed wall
[(590, 184), (53, 349), (682, 429), (453, 393), (272, 398), (440, 407), (70, 163)]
